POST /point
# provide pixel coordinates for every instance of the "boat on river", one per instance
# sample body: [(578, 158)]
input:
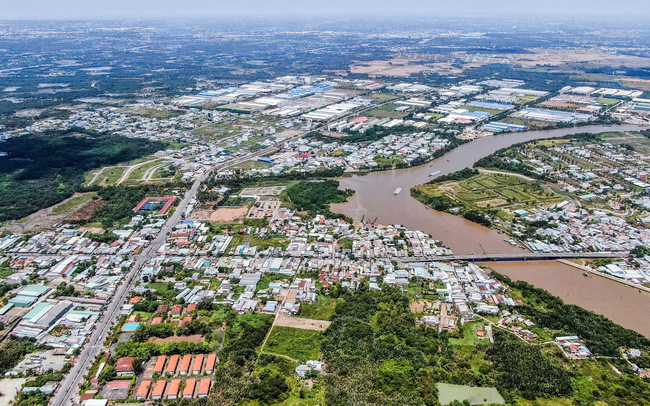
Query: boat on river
[(399, 189), (434, 173)]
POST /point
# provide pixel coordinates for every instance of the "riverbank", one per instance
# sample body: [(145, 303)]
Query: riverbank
[(374, 197)]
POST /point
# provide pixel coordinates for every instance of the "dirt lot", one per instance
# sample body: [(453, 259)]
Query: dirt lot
[(228, 215), (87, 211), (421, 306), (10, 387), (561, 56), (305, 324), (196, 338)]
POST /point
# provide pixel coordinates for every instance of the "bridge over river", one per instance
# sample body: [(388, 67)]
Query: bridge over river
[(523, 256)]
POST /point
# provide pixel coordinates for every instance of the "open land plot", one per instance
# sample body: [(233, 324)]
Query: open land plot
[(447, 393), (250, 164), (383, 97), (9, 388), (568, 56), (72, 203), (302, 323), (195, 338), (301, 345), (496, 190), (228, 215), (321, 310)]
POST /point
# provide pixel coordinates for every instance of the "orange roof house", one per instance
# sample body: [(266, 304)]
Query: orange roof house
[(143, 390), (209, 363), (185, 364), (124, 366), (198, 364), (190, 384), (174, 386), (159, 389), (171, 365), (160, 365), (204, 388)]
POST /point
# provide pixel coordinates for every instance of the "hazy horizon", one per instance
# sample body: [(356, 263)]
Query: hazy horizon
[(206, 9)]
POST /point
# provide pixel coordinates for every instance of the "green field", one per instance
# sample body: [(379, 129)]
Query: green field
[(301, 345), (468, 331), (323, 309), (476, 396), (69, 205), (140, 171), (388, 161), (250, 164), (383, 97), (496, 190), (387, 111)]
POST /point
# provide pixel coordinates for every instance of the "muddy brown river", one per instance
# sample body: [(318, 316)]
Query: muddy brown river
[(374, 198)]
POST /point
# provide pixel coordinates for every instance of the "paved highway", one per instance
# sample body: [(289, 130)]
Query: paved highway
[(68, 391)]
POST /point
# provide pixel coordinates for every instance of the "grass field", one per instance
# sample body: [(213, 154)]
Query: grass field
[(387, 111), (250, 164), (499, 191), (493, 112), (301, 345), (323, 309), (469, 334), (388, 160), (110, 176), (73, 203), (383, 97), (140, 171)]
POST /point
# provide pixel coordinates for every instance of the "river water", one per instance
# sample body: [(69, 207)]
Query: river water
[(374, 198)]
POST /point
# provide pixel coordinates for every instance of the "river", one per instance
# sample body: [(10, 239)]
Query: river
[(374, 198)]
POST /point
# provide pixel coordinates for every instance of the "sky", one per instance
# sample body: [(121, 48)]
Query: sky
[(205, 9)]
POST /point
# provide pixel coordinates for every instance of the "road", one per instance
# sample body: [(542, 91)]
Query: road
[(68, 391)]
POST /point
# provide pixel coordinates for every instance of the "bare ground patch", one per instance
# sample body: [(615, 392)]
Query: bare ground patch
[(87, 211), (492, 203), (301, 323), (421, 306), (228, 215), (196, 338)]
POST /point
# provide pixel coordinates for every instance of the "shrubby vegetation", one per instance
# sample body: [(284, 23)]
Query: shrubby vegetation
[(602, 336), (40, 171), (315, 197)]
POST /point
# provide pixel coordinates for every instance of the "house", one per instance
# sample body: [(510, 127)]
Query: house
[(191, 308), (143, 390), (185, 364), (159, 389), (198, 364), (188, 392), (204, 388), (160, 365), (124, 366), (209, 363), (176, 310), (174, 386), (171, 365)]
